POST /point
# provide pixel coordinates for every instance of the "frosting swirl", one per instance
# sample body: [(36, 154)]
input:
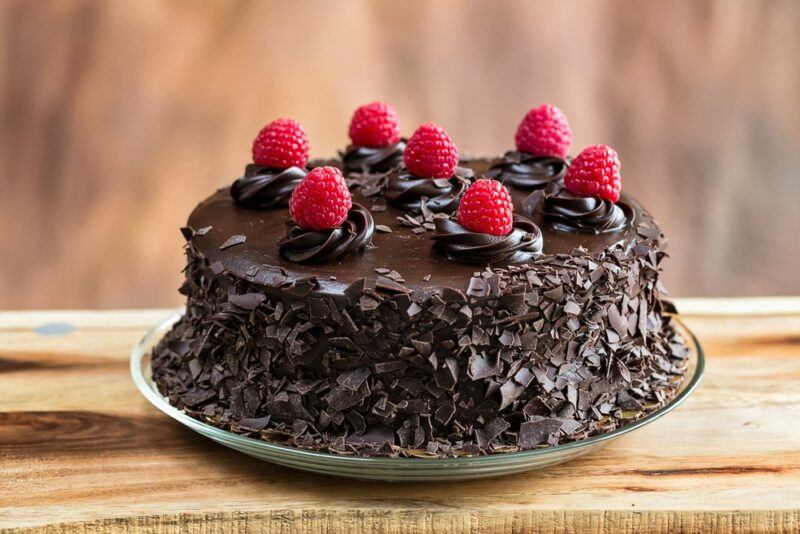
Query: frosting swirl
[(321, 246), (526, 171), (565, 212), (522, 244), (265, 188), (406, 191), (373, 160)]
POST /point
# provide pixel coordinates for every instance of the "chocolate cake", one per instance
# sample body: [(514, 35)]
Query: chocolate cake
[(401, 331)]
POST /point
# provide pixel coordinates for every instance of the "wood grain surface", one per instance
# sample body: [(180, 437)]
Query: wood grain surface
[(118, 116), (82, 451)]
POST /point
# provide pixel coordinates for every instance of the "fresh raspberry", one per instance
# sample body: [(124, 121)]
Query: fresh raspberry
[(281, 144), (375, 125), (430, 153), (595, 173), (321, 200), (486, 208), (544, 132)]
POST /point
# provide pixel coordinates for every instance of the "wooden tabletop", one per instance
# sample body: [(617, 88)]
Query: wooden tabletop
[(80, 449)]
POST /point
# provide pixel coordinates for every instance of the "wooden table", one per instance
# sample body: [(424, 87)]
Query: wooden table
[(80, 449)]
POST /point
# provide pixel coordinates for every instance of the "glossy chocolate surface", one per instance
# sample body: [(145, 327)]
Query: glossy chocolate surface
[(410, 253)]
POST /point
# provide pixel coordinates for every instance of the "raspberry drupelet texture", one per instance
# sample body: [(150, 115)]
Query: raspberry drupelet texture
[(486, 208), (544, 131), (430, 153), (595, 173), (375, 125), (321, 201), (281, 144)]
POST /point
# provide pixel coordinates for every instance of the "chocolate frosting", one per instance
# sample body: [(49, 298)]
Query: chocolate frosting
[(565, 212), (321, 246), (264, 188), (522, 244), (373, 160), (443, 194), (437, 357), (526, 171)]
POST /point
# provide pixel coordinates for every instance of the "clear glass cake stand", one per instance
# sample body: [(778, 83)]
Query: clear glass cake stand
[(398, 469)]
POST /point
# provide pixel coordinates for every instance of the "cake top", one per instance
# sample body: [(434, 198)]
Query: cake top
[(408, 214)]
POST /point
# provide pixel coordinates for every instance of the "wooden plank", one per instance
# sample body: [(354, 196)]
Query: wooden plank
[(94, 319), (81, 450), (739, 307)]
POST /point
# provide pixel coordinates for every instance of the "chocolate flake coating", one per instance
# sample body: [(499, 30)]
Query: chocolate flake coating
[(473, 360)]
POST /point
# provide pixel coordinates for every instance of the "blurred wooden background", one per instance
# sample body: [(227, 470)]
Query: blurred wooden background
[(119, 116)]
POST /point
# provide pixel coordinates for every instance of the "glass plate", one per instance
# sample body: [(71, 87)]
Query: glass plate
[(398, 469)]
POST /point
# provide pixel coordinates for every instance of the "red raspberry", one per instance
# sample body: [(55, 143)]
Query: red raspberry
[(595, 173), (375, 125), (544, 132), (321, 200), (486, 208), (281, 144), (430, 153)]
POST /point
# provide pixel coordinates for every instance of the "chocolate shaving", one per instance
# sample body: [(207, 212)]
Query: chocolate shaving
[(233, 241), (536, 431), (248, 301)]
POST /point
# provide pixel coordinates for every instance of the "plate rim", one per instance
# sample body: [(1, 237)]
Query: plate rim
[(148, 389)]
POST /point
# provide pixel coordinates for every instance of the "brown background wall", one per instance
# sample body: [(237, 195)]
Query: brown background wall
[(118, 116)]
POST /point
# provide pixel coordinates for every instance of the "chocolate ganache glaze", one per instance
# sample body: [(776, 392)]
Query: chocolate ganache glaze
[(266, 188), (258, 259), (523, 243), (526, 171), (321, 246), (406, 191), (568, 213), (373, 160)]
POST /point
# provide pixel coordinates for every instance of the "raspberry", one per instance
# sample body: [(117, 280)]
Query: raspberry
[(486, 208), (375, 125), (321, 200), (281, 144), (595, 173), (544, 132), (430, 153)]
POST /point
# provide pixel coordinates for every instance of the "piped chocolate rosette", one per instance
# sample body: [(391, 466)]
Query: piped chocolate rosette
[(440, 195), (430, 176), (588, 202), (543, 140), (528, 171), (325, 224), (373, 160), (375, 143), (265, 188), (280, 154), (487, 231)]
